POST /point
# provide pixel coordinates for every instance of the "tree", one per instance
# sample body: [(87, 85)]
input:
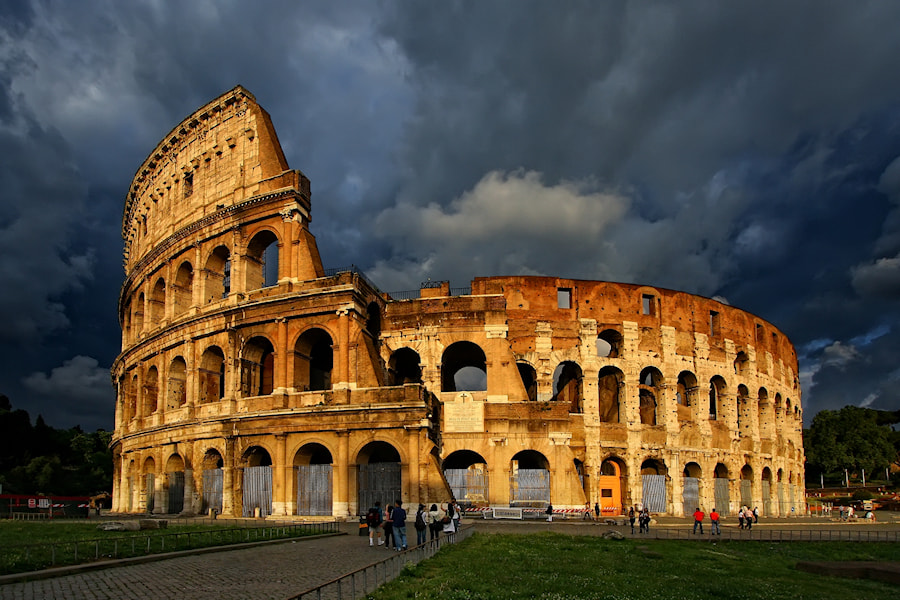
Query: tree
[(850, 438)]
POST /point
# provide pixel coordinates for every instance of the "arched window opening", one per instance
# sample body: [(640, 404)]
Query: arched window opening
[(463, 368), (567, 386), (158, 302), (529, 380), (132, 400), (177, 383), (609, 344), (610, 381), (741, 363), (743, 410), (212, 375), (747, 486), (766, 414), (649, 393), (716, 392), (257, 367), (218, 275), (404, 367), (262, 261), (126, 321), (183, 288), (151, 391), (313, 361), (138, 320)]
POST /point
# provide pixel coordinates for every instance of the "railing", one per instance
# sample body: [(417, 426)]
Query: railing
[(352, 269), (817, 534), (360, 582), (461, 291), (406, 295), (31, 557)]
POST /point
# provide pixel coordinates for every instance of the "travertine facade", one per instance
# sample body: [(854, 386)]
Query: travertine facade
[(253, 381)]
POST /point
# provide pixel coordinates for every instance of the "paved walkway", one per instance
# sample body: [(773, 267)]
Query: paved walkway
[(279, 570)]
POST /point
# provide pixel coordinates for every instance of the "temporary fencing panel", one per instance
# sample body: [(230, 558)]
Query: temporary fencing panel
[(212, 490), (781, 503), (468, 485), (530, 487), (791, 504), (149, 492), (767, 497), (257, 491), (378, 482), (723, 497), (314, 490), (175, 480), (691, 494), (654, 493), (746, 493)]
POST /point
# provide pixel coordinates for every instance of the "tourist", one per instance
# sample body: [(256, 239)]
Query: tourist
[(597, 511), (755, 514), (399, 519), (549, 513), (389, 527), (644, 521), (434, 521), (447, 522), (698, 519), (456, 517), (374, 518), (741, 517), (631, 518), (748, 518), (421, 525), (588, 515), (714, 519)]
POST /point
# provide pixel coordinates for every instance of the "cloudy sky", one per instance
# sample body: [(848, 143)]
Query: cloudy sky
[(743, 150)]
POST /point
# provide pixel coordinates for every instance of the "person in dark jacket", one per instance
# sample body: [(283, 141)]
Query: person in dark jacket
[(399, 519)]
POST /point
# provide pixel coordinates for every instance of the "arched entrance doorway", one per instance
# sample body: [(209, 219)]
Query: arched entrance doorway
[(767, 491), (175, 484), (314, 480), (691, 487), (467, 474), (378, 475), (529, 479), (722, 495), (612, 471), (212, 482), (257, 490), (653, 477), (747, 486), (148, 489)]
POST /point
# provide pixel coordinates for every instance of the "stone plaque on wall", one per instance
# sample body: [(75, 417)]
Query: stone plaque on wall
[(463, 415)]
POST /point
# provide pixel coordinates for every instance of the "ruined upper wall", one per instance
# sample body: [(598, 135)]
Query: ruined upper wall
[(221, 155)]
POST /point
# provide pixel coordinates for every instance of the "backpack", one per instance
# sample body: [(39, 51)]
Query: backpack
[(450, 510), (420, 521), (372, 517)]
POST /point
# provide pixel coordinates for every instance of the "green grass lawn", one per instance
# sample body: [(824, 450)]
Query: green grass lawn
[(31, 545), (560, 567)]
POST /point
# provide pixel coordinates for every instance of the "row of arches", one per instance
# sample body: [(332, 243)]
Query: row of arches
[(145, 309)]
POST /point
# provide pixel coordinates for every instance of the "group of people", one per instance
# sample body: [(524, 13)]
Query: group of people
[(642, 516), (747, 517), (392, 523), (699, 515)]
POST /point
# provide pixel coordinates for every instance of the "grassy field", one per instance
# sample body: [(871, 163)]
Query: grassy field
[(559, 567), (31, 545)]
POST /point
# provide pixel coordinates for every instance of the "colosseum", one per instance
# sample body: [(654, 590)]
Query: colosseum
[(254, 382)]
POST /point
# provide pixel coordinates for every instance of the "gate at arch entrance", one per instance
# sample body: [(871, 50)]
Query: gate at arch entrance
[(314, 490), (257, 490), (378, 476), (176, 491), (467, 475), (529, 479), (653, 478), (610, 484)]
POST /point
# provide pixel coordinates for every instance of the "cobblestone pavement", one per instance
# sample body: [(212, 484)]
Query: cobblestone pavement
[(274, 571)]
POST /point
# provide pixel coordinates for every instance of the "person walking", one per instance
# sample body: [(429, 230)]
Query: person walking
[(549, 513), (434, 521), (421, 525), (644, 521), (714, 520), (374, 518), (457, 514), (699, 515), (389, 527), (748, 518), (399, 519), (597, 510), (755, 514), (741, 517), (447, 522), (587, 515), (631, 518)]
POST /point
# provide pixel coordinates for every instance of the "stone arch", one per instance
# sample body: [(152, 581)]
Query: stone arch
[(610, 382), (717, 390), (151, 391), (313, 482), (148, 484), (211, 375), (568, 385), (404, 366), (157, 302), (177, 380), (687, 395), (653, 477), (379, 475), (742, 406), (132, 399), (138, 319), (466, 472), (256, 489), (721, 488), (690, 488), (766, 414), (183, 288), (217, 275), (766, 485), (609, 343), (211, 481), (611, 485), (257, 367), (529, 479), (650, 393), (463, 368), (313, 360), (261, 260), (529, 379), (747, 485)]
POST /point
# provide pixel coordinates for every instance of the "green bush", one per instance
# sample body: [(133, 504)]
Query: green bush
[(862, 495)]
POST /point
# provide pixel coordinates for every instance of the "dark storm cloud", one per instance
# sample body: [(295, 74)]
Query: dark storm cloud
[(742, 150)]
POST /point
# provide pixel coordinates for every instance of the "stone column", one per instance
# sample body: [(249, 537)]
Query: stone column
[(280, 487), (281, 352), (415, 466), (342, 473), (343, 358), (228, 470)]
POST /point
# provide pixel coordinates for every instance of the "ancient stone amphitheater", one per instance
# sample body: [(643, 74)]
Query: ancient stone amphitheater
[(253, 381)]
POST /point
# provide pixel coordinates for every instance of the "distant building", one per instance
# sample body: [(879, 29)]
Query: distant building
[(253, 381)]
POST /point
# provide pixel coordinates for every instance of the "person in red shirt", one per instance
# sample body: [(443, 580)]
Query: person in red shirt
[(714, 519), (698, 519)]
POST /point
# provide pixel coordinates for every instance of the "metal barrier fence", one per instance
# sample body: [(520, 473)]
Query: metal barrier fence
[(761, 534), (31, 557), (360, 582)]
